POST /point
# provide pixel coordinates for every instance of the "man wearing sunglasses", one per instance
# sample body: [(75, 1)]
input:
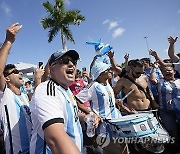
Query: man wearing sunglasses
[(56, 126), (14, 104), (137, 99)]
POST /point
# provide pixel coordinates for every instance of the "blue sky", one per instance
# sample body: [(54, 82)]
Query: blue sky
[(121, 23)]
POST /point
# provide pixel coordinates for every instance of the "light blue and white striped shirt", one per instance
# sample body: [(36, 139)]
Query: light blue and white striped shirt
[(102, 101), (169, 92), (19, 118), (51, 102)]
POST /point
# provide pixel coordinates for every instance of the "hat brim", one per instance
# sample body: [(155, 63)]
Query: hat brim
[(97, 74), (71, 53)]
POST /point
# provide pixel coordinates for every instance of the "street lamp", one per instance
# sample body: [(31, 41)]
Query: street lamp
[(147, 47)]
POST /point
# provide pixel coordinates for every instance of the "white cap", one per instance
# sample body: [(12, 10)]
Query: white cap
[(98, 68)]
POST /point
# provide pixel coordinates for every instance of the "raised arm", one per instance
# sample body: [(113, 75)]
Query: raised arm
[(11, 33), (158, 59), (91, 65), (38, 75), (171, 53), (118, 87), (152, 76), (126, 57), (46, 72), (113, 62)]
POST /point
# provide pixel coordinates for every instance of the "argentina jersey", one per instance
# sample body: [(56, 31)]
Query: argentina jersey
[(16, 108), (102, 102), (168, 93), (53, 104), (72, 124)]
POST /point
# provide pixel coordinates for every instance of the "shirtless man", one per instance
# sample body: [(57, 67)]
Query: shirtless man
[(137, 99)]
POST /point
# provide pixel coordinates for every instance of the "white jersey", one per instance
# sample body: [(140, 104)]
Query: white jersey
[(19, 119), (53, 104), (102, 100)]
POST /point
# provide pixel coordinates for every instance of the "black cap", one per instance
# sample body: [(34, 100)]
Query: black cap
[(58, 54)]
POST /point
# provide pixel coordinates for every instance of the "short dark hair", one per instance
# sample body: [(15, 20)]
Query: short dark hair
[(7, 68), (28, 82), (167, 61), (145, 59), (135, 63)]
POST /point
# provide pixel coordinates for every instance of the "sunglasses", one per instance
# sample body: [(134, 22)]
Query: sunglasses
[(66, 60), (138, 73), (15, 71)]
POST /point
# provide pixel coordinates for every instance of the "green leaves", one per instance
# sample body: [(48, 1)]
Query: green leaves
[(59, 20)]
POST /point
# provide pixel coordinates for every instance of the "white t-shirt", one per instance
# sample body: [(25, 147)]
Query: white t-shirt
[(20, 121), (53, 104)]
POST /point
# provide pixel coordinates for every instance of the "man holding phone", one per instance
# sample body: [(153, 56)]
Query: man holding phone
[(40, 64)]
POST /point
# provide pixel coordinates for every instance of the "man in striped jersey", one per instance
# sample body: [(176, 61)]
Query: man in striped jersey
[(56, 126), (14, 104), (102, 102)]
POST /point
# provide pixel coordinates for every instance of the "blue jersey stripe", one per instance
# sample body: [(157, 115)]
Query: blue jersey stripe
[(80, 132), (112, 103), (23, 131), (75, 119), (70, 126), (39, 145), (100, 98), (163, 95)]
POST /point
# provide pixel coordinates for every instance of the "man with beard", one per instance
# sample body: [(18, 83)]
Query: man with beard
[(14, 104), (140, 98)]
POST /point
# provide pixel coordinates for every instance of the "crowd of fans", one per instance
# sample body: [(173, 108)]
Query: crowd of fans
[(49, 116)]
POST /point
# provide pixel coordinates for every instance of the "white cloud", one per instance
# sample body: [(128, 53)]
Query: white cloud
[(178, 11), (5, 8), (106, 21), (112, 25), (118, 32)]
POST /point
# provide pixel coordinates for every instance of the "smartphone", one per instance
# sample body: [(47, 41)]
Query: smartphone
[(40, 64), (84, 69)]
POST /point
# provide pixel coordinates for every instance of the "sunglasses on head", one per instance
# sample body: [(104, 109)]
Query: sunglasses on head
[(15, 71), (66, 60)]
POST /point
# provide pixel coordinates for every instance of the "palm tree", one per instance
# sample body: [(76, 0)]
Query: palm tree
[(59, 20)]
